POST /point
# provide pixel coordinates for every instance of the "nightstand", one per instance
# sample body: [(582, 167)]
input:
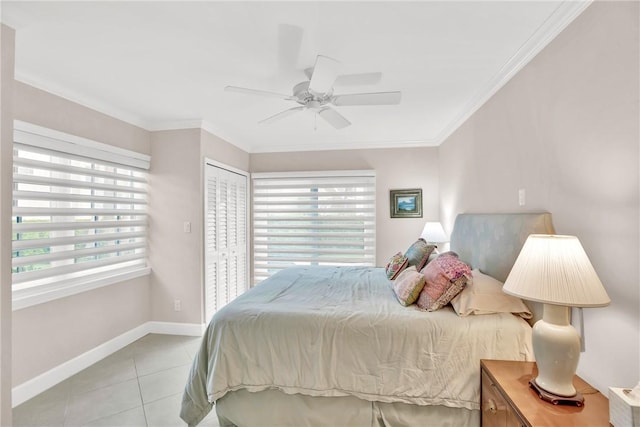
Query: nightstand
[(507, 400)]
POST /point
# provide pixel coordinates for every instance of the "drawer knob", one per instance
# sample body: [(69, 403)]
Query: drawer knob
[(491, 406)]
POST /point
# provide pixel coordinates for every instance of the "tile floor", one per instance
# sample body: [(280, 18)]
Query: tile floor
[(140, 385)]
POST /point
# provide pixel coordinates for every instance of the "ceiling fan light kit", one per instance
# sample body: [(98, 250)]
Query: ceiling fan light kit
[(316, 94)]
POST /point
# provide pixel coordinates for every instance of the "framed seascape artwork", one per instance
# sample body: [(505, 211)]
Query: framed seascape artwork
[(406, 203)]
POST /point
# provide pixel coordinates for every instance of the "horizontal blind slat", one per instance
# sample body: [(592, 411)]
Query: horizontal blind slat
[(72, 240), (75, 170), (322, 195), (78, 225), (341, 213), (293, 260), (320, 252), (69, 183), (71, 212), (263, 188), (78, 198), (326, 225), (28, 276), (261, 235), (77, 253)]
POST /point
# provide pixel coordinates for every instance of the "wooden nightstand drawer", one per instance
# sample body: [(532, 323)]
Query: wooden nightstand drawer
[(508, 401), (496, 412)]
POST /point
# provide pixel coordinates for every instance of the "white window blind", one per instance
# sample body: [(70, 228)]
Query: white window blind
[(313, 218), (79, 209)]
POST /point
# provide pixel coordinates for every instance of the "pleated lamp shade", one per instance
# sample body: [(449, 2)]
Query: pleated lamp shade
[(555, 269), (433, 232)]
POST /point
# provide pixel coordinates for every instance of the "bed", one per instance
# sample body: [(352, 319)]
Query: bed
[(332, 346)]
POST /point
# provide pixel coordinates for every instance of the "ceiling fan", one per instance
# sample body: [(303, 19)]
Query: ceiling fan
[(316, 94)]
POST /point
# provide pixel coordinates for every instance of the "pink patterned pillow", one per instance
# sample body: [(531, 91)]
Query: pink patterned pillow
[(396, 264), (408, 285), (445, 277)]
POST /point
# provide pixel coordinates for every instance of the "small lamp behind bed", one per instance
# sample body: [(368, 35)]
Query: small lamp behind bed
[(556, 271), (433, 233)]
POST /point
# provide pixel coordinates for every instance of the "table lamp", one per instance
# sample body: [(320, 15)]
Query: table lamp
[(556, 271), (434, 233)]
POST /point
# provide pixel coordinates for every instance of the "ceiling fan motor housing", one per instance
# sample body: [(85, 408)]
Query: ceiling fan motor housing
[(308, 98)]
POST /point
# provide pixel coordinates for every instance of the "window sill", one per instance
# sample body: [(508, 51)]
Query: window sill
[(29, 297)]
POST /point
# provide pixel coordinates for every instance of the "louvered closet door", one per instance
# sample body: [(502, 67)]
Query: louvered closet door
[(226, 237)]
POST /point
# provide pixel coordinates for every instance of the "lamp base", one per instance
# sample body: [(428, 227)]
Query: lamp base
[(577, 400)]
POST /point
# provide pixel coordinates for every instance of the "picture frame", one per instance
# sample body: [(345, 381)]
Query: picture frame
[(406, 203)]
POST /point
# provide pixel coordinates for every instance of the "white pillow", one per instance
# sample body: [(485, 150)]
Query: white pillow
[(484, 295)]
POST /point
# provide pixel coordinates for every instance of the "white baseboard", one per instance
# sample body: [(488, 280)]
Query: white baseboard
[(171, 328), (31, 388)]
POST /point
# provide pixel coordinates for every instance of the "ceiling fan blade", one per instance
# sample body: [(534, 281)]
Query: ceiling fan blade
[(334, 118), (281, 115), (289, 42), (374, 98), (258, 92), (308, 72), (358, 79), (324, 74)]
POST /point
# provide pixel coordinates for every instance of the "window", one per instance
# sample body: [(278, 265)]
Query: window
[(79, 213), (314, 218)]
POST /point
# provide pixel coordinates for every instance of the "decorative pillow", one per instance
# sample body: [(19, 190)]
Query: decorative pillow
[(484, 295), (408, 285), (396, 264), (433, 256), (418, 253), (445, 277)]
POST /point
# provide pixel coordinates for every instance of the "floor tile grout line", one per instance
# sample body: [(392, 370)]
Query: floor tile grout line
[(117, 413), (93, 387), (67, 402), (144, 410), (93, 420)]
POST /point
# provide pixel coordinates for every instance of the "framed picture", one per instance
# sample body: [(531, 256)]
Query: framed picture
[(406, 203)]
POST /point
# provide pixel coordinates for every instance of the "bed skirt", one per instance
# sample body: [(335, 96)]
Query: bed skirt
[(271, 408)]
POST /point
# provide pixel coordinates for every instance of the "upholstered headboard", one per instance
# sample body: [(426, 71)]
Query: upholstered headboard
[(492, 242)]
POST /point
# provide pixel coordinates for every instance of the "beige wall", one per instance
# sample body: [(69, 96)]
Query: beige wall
[(395, 169), (566, 129), (176, 197), (7, 50), (45, 109), (71, 326), (47, 335), (215, 148)]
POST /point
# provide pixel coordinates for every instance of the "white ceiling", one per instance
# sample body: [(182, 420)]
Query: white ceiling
[(164, 65)]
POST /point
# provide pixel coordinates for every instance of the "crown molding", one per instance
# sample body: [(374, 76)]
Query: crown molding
[(83, 100), (564, 14), (345, 145)]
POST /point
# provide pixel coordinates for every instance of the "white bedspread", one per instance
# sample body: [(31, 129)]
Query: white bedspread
[(337, 331)]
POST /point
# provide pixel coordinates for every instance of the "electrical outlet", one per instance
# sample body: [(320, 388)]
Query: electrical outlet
[(177, 305), (186, 227), (521, 197)]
